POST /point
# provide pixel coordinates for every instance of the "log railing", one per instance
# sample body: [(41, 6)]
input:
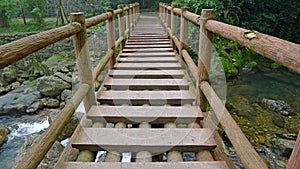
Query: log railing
[(15, 51), (281, 51)]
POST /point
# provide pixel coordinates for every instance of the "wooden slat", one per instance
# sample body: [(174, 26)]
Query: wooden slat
[(156, 165), (147, 74), (146, 84), (152, 66), (148, 43), (148, 40), (149, 50), (151, 114), (148, 59), (147, 37), (145, 97), (136, 139), (148, 46), (151, 54)]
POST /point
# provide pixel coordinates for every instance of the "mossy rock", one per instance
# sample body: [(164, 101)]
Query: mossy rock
[(278, 120), (85, 156)]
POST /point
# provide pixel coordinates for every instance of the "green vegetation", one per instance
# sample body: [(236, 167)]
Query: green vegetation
[(279, 18), (17, 25)]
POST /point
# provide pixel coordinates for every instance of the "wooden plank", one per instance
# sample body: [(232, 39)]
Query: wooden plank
[(152, 54), (148, 40), (156, 165), (295, 156), (148, 37), (151, 114), (147, 59), (147, 74), (143, 66), (148, 43), (148, 46), (148, 50), (146, 84), (137, 139), (146, 97)]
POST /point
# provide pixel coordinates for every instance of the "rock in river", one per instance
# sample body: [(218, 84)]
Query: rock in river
[(277, 106), (4, 131), (17, 101), (52, 86)]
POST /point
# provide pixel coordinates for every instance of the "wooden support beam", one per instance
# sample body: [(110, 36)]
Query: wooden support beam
[(37, 152), (204, 54), (83, 59), (128, 20), (131, 16), (110, 28), (294, 161), (249, 157)]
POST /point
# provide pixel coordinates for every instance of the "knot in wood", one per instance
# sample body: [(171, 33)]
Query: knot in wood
[(250, 35)]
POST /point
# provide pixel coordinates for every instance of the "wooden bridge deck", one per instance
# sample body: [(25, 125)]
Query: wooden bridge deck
[(146, 86)]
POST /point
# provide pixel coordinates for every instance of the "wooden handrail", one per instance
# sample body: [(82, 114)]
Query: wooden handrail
[(245, 151), (250, 159), (295, 156), (17, 50), (37, 152)]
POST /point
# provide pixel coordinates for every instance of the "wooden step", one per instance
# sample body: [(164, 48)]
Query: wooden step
[(147, 46), (148, 43), (128, 97), (147, 66), (152, 54), (148, 59), (149, 40), (155, 165), (148, 37), (147, 74), (136, 139), (148, 50), (146, 84), (151, 114)]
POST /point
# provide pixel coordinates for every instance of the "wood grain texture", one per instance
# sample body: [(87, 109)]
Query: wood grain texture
[(149, 59), (148, 54), (279, 50), (156, 165), (294, 161), (145, 66), (146, 84), (146, 97), (151, 114), (147, 74), (148, 50), (37, 152), (142, 139), (16, 50)]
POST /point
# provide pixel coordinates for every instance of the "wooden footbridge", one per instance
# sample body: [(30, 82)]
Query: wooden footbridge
[(156, 110)]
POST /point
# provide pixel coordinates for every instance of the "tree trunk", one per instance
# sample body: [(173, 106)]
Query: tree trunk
[(22, 13), (3, 19)]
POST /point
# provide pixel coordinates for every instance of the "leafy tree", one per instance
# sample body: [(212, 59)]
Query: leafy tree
[(36, 8), (6, 10)]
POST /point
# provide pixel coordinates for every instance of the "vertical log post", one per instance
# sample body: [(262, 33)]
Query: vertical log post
[(168, 18), (83, 60), (134, 14), (121, 27), (159, 10), (204, 55), (131, 16), (173, 25), (110, 28), (128, 20), (165, 16), (163, 13), (183, 32)]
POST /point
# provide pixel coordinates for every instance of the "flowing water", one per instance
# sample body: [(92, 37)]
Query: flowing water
[(20, 129)]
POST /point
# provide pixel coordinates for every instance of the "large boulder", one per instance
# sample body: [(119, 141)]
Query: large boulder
[(8, 75), (4, 131), (17, 101), (52, 86)]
